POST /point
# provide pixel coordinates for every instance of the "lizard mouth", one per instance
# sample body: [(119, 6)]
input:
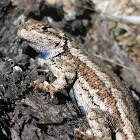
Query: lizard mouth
[(21, 31)]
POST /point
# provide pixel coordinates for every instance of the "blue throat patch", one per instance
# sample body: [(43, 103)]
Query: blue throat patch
[(45, 54)]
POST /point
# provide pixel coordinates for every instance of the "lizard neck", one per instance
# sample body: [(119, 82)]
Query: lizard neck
[(52, 53), (58, 49)]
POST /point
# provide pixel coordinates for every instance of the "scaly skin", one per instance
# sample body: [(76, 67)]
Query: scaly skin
[(99, 92)]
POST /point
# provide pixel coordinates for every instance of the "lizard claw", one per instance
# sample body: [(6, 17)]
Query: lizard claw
[(43, 87)]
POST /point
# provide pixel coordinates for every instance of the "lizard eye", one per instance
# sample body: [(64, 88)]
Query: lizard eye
[(44, 28)]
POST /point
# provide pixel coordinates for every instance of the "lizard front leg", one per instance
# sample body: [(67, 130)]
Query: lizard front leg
[(65, 73)]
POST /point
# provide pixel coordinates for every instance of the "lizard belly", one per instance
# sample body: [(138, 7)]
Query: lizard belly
[(87, 97)]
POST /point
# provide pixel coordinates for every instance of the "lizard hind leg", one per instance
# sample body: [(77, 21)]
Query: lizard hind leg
[(102, 125)]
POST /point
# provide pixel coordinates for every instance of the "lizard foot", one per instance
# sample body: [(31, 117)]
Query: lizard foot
[(43, 87), (80, 135)]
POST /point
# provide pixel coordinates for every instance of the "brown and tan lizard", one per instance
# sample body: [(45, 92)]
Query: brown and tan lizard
[(108, 106)]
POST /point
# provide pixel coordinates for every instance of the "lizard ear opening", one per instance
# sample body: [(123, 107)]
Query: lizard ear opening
[(44, 28)]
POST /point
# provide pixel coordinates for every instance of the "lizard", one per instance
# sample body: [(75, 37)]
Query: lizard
[(107, 103)]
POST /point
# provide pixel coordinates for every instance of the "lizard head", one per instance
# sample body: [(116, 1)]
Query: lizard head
[(45, 39)]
